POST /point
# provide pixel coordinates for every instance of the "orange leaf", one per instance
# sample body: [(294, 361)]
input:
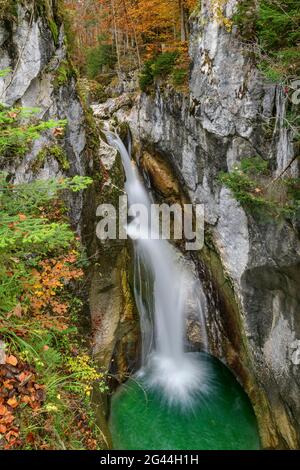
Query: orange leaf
[(12, 360), (11, 434), (3, 410), (8, 419), (7, 384), (13, 402), (2, 429), (25, 399)]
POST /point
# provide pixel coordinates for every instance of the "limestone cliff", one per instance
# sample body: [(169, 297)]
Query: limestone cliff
[(250, 266), (32, 46)]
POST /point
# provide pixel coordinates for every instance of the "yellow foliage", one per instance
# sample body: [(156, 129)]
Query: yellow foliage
[(84, 369)]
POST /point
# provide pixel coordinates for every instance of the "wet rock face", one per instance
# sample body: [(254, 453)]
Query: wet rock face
[(115, 323), (254, 317), (42, 78)]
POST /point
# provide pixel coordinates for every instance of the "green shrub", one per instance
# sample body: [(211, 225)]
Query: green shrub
[(270, 72), (246, 19), (252, 185), (278, 24), (18, 129), (179, 76), (160, 66), (275, 25), (164, 64), (146, 78), (255, 166)]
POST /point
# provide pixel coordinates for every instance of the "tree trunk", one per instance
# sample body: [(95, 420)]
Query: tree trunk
[(183, 21), (128, 19), (116, 36)]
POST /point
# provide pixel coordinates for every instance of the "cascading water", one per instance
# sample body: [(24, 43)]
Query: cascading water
[(163, 286), (177, 400)]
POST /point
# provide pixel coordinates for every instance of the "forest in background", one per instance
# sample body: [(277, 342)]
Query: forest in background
[(107, 37), (110, 37)]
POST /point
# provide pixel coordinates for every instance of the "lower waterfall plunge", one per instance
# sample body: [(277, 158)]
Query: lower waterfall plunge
[(173, 386)]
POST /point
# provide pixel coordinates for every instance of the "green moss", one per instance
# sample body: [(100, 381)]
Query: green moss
[(63, 74), (123, 129), (39, 161), (54, 30), (60, 156), (52, 12), (55, 152), (91, 128)]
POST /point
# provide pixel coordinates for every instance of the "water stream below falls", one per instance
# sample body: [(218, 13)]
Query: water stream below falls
[(178, 399)]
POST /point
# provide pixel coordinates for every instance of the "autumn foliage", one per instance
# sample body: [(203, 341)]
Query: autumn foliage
[(44, 397), (135, 29), (49, 279), (18, 388)]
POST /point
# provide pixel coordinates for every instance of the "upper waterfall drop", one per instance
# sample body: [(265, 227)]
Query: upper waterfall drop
[(163, 288)]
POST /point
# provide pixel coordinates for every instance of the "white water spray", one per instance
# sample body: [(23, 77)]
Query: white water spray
[(163, 288)]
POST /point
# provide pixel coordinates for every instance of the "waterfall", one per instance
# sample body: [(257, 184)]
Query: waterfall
[(163, 288)]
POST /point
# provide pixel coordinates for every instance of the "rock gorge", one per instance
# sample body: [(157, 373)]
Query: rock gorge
[(249, 265)]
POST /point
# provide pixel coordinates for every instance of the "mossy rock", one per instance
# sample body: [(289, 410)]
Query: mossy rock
[(54, 30), (123, 129), (52, 12), (56, 152), (63, 74), (91, 90), (92, 129)]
